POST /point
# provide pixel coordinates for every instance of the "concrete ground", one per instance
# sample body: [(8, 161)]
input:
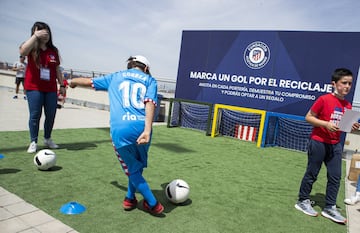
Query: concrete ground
[(16, 215)]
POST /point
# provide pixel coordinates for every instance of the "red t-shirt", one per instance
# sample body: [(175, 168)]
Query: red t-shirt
[(328, 108), (49, 60)]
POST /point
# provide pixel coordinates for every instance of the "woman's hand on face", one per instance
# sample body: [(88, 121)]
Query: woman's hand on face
[(41, 34)]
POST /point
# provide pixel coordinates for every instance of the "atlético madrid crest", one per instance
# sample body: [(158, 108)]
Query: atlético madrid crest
[(257, 55)]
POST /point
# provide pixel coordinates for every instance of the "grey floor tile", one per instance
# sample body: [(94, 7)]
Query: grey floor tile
[(31, 230), (9, 199), (54, 227), (21, 208), (3, 191), (13, 225), (5, 214), (36, 218)]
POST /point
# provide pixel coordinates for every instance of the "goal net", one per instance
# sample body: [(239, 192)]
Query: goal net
[(190, 114), (285, 130), (241, 123), (263, 128)]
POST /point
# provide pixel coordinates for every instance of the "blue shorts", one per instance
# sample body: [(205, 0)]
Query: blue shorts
[(133, 158)]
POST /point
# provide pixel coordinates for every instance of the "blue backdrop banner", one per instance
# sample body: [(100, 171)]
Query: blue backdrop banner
[(277, 71)]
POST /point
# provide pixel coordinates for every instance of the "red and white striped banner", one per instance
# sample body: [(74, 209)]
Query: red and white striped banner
[(244, 132)]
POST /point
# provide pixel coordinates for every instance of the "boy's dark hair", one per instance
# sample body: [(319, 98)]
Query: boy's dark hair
[(339, 73), (132, 64)]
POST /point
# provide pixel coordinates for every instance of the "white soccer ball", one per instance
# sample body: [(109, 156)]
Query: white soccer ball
[(177, 191), (45, 159)]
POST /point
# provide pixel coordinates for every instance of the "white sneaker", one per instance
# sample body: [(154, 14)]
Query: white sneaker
[(353, 199), (306, 208), (49, 143), (32, 148), (333, 214)]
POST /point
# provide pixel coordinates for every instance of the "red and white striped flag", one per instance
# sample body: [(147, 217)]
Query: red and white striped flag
[(244, 132)]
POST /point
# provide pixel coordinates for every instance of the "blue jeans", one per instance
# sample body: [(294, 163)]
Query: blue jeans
[(38, 100), (331, 156), (358, 185)]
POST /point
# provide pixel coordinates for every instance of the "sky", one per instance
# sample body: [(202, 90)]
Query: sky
[(98, 35)]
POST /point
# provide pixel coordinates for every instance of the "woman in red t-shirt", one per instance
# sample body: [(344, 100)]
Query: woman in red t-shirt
[(41, 77)]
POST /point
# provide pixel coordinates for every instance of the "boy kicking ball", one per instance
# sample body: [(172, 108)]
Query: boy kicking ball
[(133, 96)]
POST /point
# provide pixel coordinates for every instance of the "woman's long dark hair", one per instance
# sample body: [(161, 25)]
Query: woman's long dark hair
[(36, 50)]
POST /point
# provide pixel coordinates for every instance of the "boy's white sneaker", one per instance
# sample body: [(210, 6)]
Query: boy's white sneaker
[(306, 208), (333, 214), (50, 144), (32, 147)]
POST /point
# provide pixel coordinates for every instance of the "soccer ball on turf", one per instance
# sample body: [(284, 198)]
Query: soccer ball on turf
[(177, 191), (45, 159)]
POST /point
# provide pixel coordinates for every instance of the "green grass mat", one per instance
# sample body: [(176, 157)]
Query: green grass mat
[(235, 186)]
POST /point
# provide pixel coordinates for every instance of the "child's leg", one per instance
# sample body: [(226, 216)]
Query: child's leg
[(131, 190), (142, 186), (316, 155), (132, 162), (333, 162)]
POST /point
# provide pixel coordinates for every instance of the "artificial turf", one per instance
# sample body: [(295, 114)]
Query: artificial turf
[(234, 186)]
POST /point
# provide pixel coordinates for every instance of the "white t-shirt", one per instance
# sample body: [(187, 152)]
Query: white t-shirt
[(20, 73)]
